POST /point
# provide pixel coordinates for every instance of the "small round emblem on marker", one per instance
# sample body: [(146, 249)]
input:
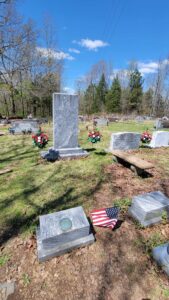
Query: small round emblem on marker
[(65, 224)]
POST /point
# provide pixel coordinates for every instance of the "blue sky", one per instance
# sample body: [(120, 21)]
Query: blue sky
[(116, 31)]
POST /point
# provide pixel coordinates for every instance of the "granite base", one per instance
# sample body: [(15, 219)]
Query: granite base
[(55, 154), (45, 254)]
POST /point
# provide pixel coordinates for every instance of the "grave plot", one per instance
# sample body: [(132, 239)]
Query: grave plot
[(63, 231)]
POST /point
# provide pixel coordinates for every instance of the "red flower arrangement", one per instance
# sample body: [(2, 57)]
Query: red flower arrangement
[(40, 139), (94, 136), (146, 137)]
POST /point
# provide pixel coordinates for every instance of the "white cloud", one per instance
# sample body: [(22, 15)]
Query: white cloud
[(147, 68), (47, 52), (73, 50), (69, 90), (152, 66), (92, 45)]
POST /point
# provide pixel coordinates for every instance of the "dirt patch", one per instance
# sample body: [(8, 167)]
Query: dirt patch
[(115, 267)]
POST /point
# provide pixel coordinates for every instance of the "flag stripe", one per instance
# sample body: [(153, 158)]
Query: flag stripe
[(105, 217)]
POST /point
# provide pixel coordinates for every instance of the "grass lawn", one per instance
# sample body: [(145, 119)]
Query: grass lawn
[(37, 187)]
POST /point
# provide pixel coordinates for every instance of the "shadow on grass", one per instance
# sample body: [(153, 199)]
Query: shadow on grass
[(89, 149), (101, 153), (20, 221), (16, 223)]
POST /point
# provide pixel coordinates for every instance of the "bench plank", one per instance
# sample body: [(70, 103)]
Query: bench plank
[(133, 160)]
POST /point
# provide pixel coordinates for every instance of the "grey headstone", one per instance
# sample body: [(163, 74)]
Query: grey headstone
[(159, 139), (25, 126), (124, 141), (101, 121), (65, 121), (62, 231), (158, 124), (139, 119), (148, 208), (65, 126), (161, 256), (6, 289)]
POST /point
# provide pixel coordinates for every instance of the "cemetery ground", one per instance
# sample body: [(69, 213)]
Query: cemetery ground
[(118, 266)]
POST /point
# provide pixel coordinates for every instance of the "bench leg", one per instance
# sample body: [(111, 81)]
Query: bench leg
[(136, 170), (115, 159)]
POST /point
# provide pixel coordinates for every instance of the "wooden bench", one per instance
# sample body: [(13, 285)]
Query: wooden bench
[(137, 165)]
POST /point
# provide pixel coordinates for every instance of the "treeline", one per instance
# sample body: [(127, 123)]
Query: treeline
[(125, 91), (29, 74)]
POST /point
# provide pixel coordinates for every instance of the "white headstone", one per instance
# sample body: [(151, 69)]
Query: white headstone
[(148, 208), (124, 141), (159, 139)]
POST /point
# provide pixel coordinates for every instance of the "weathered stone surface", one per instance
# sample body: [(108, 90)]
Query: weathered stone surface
[(101, 121), (65, 121), (158, 124), (24, 126), (124, 141), (52, 233), (45, 254), (6, 289), (161, 256), (62, 231), (65, 128), (148, 208), (159, 139), (139, 119)]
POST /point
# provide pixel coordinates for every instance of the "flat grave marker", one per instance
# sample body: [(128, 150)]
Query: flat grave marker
[(149, 207), (63, 231)]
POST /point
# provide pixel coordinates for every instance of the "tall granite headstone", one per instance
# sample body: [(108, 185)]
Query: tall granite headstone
[(63, 231), (124, 141), (149, 207), (159, 139), (65, 127)]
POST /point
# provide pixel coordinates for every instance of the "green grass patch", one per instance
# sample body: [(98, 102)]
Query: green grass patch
[(4, 258), (37, 187), (123, 204)]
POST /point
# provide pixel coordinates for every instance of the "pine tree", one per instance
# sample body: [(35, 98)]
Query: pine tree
[(113, 97), (101, 92), (136, 91)]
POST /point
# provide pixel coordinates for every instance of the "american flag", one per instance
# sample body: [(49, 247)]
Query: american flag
[(105, 217)]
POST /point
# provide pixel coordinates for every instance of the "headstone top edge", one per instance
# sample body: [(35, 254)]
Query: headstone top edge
[(150, 194), (65, 94), (62, 211), (124, 132)]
